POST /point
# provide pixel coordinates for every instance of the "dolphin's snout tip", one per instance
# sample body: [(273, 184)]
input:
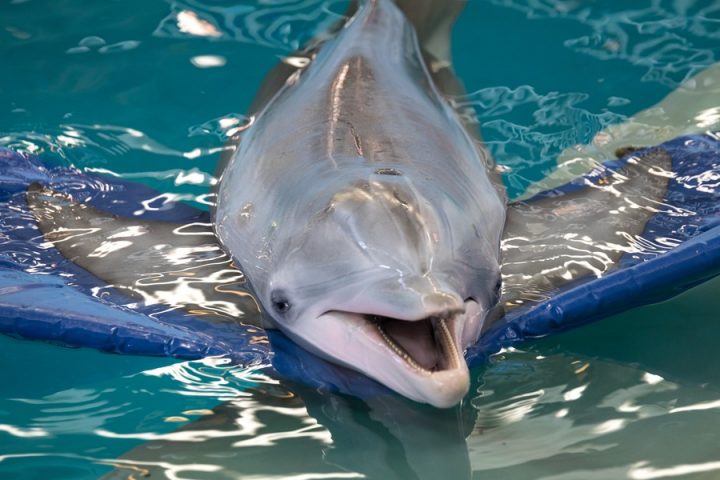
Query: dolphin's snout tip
[(447, 388)]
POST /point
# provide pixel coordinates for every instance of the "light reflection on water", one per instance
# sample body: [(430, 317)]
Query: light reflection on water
[(530, 416), (611, 420), (660, 36), (283, 25), (542, 413)]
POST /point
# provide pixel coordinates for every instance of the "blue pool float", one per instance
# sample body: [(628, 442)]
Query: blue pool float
[(45, 296)]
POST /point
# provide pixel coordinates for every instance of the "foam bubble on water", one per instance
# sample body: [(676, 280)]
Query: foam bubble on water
[(208, 61), (617, 101), (92, 41), (74, 50), (120, 46)]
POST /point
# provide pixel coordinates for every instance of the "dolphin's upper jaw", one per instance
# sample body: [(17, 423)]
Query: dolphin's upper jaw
[(421, 359)]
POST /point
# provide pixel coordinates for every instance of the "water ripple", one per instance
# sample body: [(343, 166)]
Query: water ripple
[(662, 36), (550, 122), (585, 406), (284, 25)]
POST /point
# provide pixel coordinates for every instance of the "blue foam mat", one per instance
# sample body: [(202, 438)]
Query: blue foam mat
[(44, 296), (639, 278)]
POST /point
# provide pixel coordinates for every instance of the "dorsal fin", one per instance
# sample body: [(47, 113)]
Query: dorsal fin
[(433, 21), (179, 265)]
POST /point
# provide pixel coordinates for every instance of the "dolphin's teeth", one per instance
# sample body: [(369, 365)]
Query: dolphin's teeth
[(399, 351), (449, 347), (444, 341)]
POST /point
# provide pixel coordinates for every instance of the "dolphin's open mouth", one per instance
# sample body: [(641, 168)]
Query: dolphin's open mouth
[(421, 358), (427, 345)]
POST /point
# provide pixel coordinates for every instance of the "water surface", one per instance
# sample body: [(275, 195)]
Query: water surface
[(150, 90)]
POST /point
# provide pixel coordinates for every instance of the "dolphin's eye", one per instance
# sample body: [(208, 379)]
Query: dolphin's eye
[(281, 306), (279, 301)]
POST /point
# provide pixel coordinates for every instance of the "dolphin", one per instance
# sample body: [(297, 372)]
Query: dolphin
[(347, 205), (361, 214)]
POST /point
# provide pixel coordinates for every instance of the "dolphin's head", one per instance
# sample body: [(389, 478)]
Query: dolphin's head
[(382, 282)]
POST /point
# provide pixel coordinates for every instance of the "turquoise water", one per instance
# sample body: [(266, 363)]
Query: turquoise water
[(118, 86)]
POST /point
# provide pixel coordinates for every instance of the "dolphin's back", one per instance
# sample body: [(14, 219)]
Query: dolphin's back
[(366, 106)]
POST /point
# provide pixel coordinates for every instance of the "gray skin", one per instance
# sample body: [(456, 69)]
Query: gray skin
[(366, 215), (356, 197)]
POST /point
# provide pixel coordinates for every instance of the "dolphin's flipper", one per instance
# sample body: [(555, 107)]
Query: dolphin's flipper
[(583, 229), (179, 265)]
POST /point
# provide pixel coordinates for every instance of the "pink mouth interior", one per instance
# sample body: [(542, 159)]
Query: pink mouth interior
[(417, 339), (420, 340)]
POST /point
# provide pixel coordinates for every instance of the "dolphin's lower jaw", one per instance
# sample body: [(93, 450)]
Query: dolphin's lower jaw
[(421, 359)]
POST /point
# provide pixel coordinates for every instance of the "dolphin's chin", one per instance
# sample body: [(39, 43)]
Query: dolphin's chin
[(421, 359)]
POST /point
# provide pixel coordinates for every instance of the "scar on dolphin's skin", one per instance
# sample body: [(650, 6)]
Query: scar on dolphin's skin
[(388, 171)]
